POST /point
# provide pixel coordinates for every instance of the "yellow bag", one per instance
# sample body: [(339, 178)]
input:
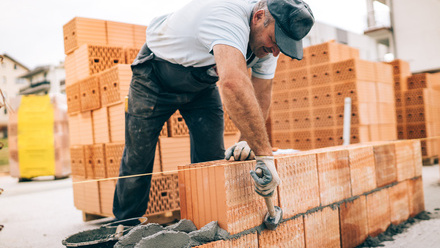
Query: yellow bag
[(36, 152)]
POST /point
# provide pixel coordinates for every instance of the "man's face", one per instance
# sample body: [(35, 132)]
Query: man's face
[(262, 39)]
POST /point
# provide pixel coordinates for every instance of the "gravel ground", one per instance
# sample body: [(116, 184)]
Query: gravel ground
[(41, 214)]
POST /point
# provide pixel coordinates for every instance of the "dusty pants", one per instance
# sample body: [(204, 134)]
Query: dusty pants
[(158, 88)]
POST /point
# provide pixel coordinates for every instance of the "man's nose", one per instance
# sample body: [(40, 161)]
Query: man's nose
[(275, 51)]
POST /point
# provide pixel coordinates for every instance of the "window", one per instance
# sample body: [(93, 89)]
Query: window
[(15, 66)]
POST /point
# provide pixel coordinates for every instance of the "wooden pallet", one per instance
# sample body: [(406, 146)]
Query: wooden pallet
[(430, 160)]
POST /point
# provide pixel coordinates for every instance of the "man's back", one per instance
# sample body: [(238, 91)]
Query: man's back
[(187, 36)]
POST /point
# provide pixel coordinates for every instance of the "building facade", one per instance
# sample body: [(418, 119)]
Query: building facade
[(410, 30), (10, 84)]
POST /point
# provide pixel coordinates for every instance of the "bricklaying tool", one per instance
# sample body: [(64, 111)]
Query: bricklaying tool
[(275, 213)]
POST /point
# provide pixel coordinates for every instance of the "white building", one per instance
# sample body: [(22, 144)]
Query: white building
[(410, 29), (44, 80), (10, 71)]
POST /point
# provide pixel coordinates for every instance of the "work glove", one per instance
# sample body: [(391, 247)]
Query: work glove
[(241, 151), (266, 185)]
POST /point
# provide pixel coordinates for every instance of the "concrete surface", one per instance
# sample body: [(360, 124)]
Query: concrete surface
[(41, 214)]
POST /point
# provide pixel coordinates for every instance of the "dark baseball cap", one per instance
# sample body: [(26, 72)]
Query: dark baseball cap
[(293, 21)]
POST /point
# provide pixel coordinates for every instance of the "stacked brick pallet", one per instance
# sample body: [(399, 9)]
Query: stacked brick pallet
[(98, 76), (417, 106), (308, 98), (331, 197)]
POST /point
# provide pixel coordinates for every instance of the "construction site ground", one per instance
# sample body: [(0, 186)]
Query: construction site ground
[(41, 213)]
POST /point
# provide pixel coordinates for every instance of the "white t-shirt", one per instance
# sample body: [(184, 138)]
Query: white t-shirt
[(187, 36)]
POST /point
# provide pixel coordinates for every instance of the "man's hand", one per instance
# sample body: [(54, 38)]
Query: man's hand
[(265, 185), (241, 151)]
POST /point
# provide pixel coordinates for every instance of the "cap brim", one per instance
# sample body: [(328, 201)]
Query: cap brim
[(288, 46)]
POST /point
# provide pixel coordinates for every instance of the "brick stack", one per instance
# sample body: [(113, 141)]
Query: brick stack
[(98, 75), (417, 106), (308, 98), (330, 197)]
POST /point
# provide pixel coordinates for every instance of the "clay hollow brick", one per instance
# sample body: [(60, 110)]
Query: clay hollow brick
[(354, 222)]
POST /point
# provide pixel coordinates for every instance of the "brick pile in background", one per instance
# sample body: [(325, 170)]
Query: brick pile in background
[(98, 75), (417, 106), (308, 98), (330, 197)]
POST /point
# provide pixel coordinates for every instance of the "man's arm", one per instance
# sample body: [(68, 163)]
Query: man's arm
[(240, 98), (263, 92)]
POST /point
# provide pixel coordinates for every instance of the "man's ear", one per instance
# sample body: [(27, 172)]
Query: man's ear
[(258, 16)]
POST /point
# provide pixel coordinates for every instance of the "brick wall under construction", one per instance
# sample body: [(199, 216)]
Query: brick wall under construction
[(308, 98), (330, 197), (98, 75)]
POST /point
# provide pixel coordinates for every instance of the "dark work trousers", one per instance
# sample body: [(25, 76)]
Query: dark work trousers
[(158, 88)]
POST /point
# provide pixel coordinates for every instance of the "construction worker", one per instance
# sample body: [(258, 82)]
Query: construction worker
[(192, 57)]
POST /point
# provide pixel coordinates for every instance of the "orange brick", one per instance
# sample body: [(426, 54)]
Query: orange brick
[(239, 208), (79, 194), (164, 194), (106, 193), (299, 191), (114, 84), (287, 234), (416, 196), (282, 139), (120, 34), (404, 160), (250, 240), (384, 73), (88, 160), (354, 69), (92, 59), (101, 130), (353, 219), (362, 169), (73, 98), (399, 204), (113, 153), (334, 175), (379, 215), (174, 152), (322, 228), (280, 81), (85, 128), (400, 67), (418, 165), (177, 125), (385, 159), (281, 121), (90, 93), (321, 74), (98, 155), (74, 129), (116, 117), (79, 31), (93, 204), (77, 161)]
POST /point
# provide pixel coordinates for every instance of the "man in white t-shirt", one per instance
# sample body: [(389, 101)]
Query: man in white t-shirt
[(186, 55)]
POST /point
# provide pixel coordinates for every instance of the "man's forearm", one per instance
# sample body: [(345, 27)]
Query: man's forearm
[(241, 103)]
